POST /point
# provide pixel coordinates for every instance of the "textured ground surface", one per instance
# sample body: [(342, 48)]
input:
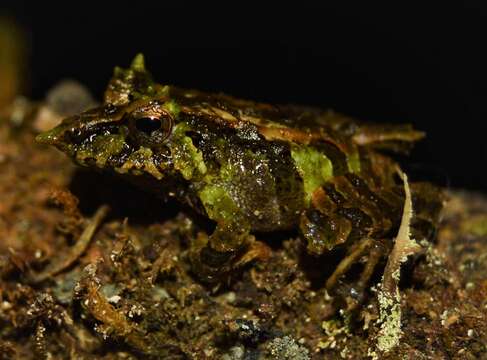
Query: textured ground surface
[(78, 280)]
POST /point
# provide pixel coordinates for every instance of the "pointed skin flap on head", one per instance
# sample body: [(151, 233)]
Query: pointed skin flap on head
[(126, 82)]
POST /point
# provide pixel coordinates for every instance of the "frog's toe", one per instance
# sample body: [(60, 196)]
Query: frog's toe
[(210, 265)]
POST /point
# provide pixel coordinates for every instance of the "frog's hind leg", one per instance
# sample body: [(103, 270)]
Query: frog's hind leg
[(346, 263), (375, 252), (355, 294), (325, 231)]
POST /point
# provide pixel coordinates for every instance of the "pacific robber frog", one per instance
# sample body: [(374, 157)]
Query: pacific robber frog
[(252, 167)]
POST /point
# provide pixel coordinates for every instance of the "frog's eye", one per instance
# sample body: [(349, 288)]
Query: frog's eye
[(150, 129), (148, 124)]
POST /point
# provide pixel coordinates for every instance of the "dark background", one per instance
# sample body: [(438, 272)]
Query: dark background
[(420, 64)]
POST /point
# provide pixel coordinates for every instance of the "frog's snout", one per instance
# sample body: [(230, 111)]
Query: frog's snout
[(48, 138), (55, 137)]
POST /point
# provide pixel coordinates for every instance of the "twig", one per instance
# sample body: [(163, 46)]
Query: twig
[(77, 250)]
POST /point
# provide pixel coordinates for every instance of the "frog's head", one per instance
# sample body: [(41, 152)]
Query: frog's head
[(136, 130)]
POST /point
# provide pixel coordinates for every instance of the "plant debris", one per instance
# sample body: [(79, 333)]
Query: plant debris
[(389, 296)]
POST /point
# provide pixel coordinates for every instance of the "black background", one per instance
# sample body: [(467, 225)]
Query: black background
[(417, 63)]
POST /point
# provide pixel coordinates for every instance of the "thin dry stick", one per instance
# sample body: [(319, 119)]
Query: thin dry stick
[(77, 250)]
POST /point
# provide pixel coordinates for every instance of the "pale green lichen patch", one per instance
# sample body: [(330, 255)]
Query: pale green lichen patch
[(390, 321), (140, 161), (334, 330), (313, 166), (286, 348), (101, 149), (188, 160)]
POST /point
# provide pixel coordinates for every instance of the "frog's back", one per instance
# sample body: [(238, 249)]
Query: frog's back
[(300, 124), (308, 159)]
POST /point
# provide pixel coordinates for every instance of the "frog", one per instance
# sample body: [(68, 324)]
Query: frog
[(251, 167)]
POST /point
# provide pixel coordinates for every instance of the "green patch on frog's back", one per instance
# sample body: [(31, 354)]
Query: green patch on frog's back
[(317, 165), (218, 204), (314, 167)]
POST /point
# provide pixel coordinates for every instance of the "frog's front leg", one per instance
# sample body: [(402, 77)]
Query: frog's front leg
[(213, 256)]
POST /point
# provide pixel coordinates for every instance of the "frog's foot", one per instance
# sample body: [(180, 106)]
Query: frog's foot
[(211, 265), (214, 257), (354, 293)]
